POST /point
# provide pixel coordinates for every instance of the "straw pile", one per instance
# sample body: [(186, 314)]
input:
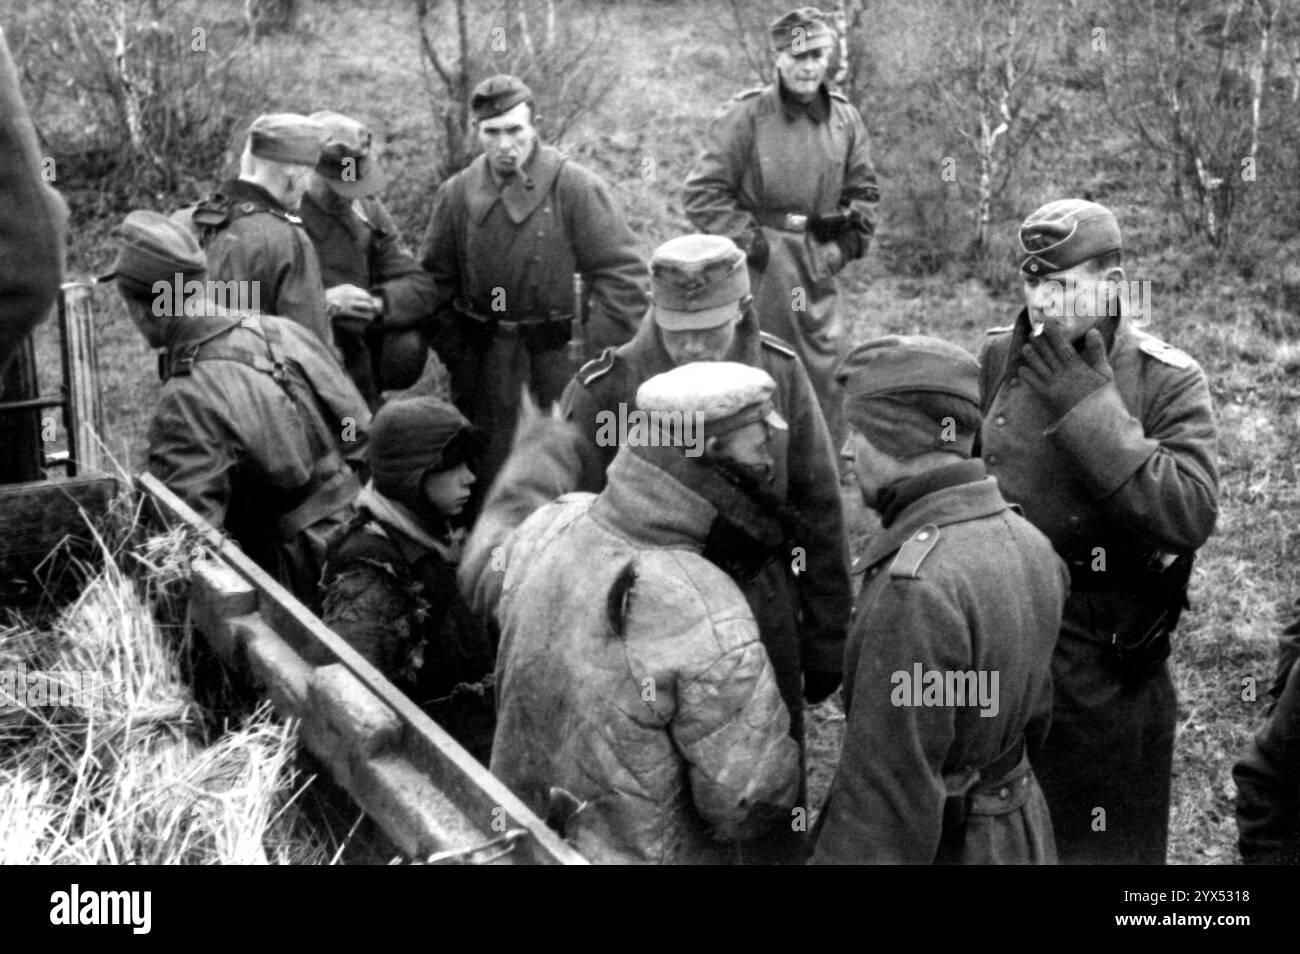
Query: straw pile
[(126, 767)]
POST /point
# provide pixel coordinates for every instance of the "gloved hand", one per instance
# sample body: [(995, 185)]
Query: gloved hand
[(754, 244), (818, 685), (1058, 374), (828, 227)]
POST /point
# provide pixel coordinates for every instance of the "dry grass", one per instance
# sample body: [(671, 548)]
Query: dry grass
[(122, 773)]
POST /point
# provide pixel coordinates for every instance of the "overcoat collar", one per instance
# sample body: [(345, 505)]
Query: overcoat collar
[(969, 501), (519, 200)]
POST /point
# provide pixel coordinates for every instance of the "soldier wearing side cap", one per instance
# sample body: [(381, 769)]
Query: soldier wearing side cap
[(258, 429), (631, 682), (702, 311), (1105, 435), (248, 228), (378, 297), (786, 172), (505, 238), (960, 586)]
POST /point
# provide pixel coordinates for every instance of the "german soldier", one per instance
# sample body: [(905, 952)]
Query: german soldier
[(1105, 435), (248, 228), (377, 295), (631, 676), (505, 239), (786, 544), (258, 428), (948, 664), (786, 172)]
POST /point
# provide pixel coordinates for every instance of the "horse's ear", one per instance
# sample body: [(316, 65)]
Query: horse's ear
[(528, 409), (556, 413)]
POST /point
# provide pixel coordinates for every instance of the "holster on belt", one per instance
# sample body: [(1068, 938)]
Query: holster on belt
[(1140, 642), (333, 486)]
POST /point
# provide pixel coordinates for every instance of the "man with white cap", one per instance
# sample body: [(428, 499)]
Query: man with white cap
[(248, 228), (794, 572), (631, 682), (1106, 436), (378, 297), (258, 429)]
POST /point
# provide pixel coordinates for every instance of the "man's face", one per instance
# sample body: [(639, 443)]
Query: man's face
[(873, 469), (711, 344), (151, 326), (1074, 299), (319, 189), (749, 446), (802, 73), (448, 490), (508, 139)]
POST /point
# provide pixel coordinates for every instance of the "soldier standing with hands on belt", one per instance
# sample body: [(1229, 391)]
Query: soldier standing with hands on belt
[(786, 173), (1105, 435), (504, 240)]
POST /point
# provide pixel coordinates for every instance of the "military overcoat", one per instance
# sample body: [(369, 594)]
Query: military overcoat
[(957, 583), (508, 254), (1127, 474), (763, 159)]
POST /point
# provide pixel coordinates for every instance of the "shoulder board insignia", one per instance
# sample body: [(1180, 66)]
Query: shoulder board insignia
[(907, 564), (746, 94), (1000, 331), (1164, 353), (777, 344), (596, 368)]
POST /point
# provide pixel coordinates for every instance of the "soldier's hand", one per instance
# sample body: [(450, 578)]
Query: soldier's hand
[(349, 301), (1059, 374)]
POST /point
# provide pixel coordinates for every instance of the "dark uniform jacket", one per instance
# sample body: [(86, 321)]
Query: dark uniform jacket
[(32, 220), (1129, 472), (1268, 775), (508, 255), (255, 430), (390, 591), (361, 246), (803, 618), (766, 157), (248, 236)]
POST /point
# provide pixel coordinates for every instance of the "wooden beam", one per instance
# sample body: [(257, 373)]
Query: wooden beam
[(428, 752), (83, 412)]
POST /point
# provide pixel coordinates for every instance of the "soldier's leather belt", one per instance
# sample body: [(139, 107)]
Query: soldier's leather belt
[(785, 221), (1135, 578), (511, 324)]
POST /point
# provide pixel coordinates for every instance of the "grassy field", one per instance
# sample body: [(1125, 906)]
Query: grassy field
[(673, 68)]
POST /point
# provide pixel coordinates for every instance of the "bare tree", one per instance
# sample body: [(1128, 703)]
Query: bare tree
[(1192, 84), (990, 92), (552, 45)]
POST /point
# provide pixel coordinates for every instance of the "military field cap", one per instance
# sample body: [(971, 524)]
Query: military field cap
[(153, 249), (900, 363), (345, 161), (1066, 233), (497, 94), (725, 394), (286, 137), (800, 30), (696, 282)]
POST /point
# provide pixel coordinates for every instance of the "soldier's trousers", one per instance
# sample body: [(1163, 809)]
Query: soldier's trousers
[(797, 299), (1107, 761)]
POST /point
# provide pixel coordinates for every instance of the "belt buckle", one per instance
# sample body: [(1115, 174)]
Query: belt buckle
[(794, 222)]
